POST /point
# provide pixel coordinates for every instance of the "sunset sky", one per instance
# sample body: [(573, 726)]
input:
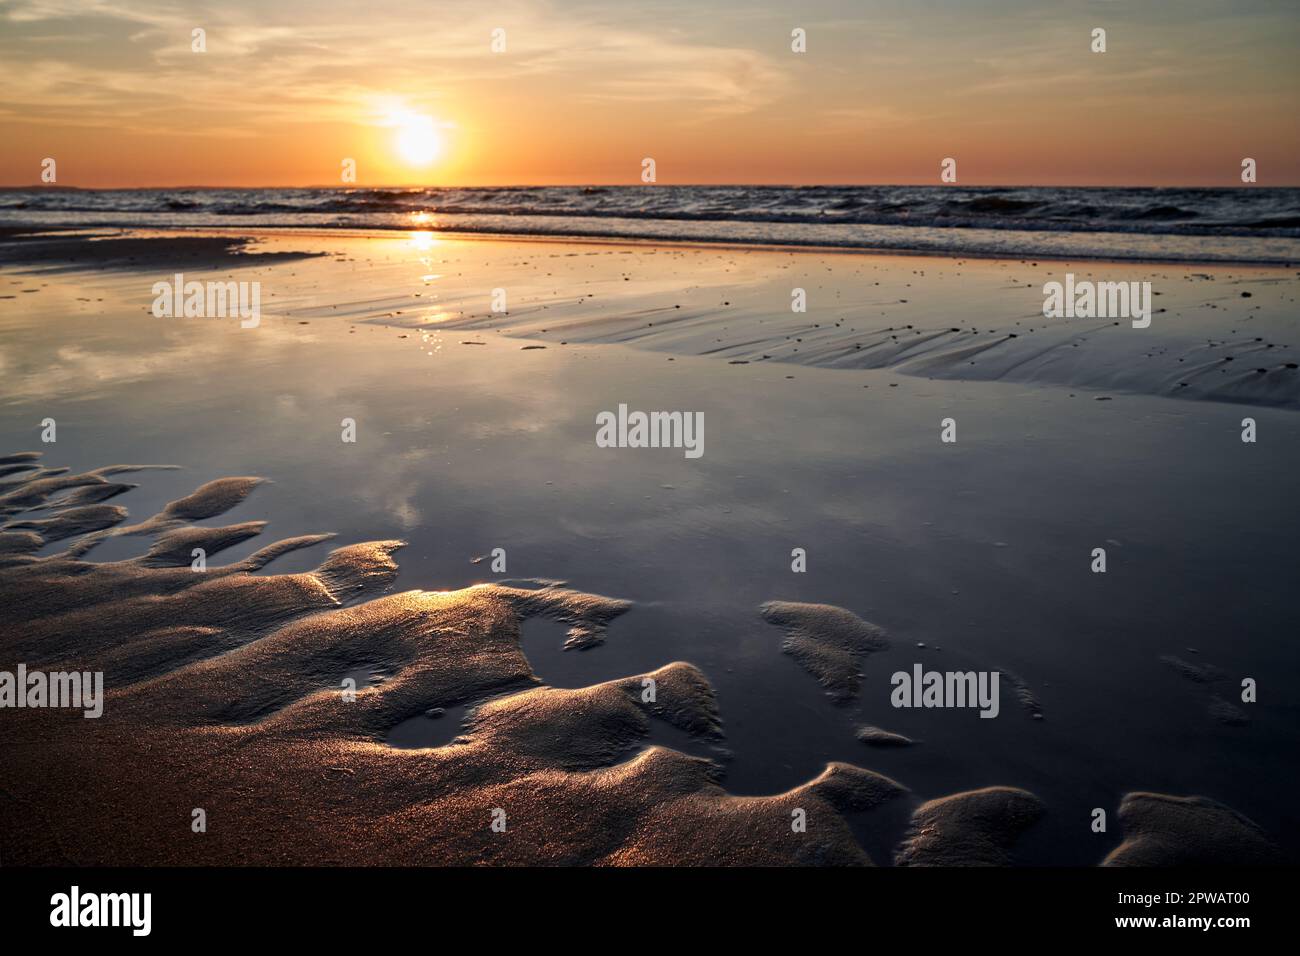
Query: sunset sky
[(710, 89)]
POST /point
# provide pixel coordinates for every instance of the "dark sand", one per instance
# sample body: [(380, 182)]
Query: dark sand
[(55, 251), (226, 697)]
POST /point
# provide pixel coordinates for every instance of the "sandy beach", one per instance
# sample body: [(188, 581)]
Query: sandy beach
[(517, 681)]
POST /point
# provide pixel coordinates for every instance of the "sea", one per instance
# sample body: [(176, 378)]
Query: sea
[(1247, 224)]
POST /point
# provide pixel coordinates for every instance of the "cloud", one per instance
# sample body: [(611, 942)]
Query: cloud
[(268, 66)]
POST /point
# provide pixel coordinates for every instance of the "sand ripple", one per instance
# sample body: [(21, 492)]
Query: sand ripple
[(226, 691)]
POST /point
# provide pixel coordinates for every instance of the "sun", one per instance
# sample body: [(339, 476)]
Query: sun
[(418, 140), (416, 137)]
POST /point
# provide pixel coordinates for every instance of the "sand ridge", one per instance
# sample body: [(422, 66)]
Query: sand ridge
[(828, 642)]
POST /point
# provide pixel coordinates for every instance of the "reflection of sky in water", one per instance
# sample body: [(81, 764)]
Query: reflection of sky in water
[(466, 448)]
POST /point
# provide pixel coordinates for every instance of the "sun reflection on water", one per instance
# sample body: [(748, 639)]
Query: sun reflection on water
[(422, 240)]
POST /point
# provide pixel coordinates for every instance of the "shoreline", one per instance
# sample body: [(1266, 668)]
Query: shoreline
[(17, 231)]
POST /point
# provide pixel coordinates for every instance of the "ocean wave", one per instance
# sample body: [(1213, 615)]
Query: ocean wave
[(1125, 222)]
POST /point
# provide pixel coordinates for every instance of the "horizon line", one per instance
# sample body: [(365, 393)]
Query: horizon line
[(54, 187)]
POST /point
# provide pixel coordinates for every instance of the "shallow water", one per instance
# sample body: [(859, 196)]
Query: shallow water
[(980, 550)]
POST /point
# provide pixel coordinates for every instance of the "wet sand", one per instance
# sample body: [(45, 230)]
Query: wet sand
[(223, 686)]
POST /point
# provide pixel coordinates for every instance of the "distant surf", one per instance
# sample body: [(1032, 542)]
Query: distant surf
[(1242, 225)]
